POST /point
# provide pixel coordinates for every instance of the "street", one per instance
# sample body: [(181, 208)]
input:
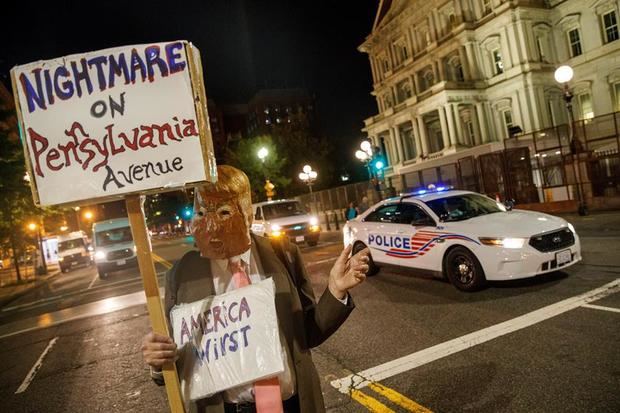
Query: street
[(413, 343)]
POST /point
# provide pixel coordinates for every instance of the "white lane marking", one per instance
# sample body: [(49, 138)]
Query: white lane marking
[(322, 261), (96, 308), (33, 371), (411, 361), (93, 281), (600, 307)]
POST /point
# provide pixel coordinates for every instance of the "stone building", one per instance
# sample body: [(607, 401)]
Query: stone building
[(455, 78)]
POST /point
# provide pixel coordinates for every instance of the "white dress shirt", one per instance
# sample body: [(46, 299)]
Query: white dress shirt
[(223, 282)]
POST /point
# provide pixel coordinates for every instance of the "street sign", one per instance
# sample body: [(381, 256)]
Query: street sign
[(118, 123)]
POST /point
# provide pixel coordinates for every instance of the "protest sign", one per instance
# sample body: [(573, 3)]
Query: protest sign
[(99, 125), (228, 340), (117, 123)]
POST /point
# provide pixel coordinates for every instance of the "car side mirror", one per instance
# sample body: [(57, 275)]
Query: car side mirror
[(509, 204)]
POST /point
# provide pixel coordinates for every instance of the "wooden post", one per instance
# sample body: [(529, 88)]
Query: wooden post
[(151, 289)]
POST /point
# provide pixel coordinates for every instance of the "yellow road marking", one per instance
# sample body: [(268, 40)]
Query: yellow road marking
[(398, 398), (162, 261), (370, 403)]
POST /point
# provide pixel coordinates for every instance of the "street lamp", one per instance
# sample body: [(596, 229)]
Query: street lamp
[(262, 154), (563, 75), (42, 270), (308, 176)]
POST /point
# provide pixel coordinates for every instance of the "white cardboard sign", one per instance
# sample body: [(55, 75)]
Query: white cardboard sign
[(111, 122), (228, 340)]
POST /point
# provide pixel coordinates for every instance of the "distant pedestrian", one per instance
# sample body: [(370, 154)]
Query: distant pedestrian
[(364, 205), (351, 212)]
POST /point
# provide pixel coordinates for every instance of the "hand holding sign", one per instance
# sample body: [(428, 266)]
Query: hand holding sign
[(348, 272), (158, 350)]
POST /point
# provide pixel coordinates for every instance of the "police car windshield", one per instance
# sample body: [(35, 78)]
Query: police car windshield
[(282, 209), (462, 207)]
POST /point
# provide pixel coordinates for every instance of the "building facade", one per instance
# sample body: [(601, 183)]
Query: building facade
[(456, 78), (272, 108)]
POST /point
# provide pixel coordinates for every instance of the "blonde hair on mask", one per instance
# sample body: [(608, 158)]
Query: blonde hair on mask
[(231, 181)]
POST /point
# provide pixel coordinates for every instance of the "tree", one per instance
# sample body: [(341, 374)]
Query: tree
[(245, 157), (16, 201), (16, 205)]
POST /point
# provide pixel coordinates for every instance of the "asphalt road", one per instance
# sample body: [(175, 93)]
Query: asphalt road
[(433, 347)]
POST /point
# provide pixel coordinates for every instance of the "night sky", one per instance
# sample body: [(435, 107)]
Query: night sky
[(245, 45)]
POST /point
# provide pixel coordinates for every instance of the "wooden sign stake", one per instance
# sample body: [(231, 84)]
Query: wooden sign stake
[(153, 299)]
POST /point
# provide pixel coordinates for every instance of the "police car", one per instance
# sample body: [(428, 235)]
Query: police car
[(464, 236)]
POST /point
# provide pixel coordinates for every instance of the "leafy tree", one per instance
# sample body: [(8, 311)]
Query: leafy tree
[(245, 157), (16, 205)]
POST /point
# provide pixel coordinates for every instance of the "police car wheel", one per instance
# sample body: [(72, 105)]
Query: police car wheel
[(464, 270), (372, 267)]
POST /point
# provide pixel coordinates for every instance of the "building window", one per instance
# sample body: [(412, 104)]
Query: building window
[(458, 72), (404, 91), (486, 7), (610, 26), (429, 79), (498, 64), (508, 122), (574, 42), (540, 45), (585, 105), (401, 51), (617, 96)]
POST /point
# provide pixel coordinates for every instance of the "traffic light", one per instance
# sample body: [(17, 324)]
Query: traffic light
[(379, 164), (187, 212)]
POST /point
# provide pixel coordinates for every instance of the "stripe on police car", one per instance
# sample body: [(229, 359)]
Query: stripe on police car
[(383, 371)]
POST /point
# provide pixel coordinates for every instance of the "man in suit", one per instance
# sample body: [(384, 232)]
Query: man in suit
[(230, 257)]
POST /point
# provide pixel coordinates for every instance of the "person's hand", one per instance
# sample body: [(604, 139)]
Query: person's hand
[(158, 350), (348, 272)]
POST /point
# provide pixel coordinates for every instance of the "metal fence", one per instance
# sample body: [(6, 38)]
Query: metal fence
[(538, 167)]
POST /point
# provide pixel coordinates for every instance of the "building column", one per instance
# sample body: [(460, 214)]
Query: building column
[(442, 70), (444, 128), (465, 64), (450, 119), (458, 125), (416, 136), (482, 123), (423, 136), (472, 61), (416, 83), (395, 136)]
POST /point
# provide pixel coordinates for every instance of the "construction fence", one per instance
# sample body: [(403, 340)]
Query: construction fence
[(537, 170)]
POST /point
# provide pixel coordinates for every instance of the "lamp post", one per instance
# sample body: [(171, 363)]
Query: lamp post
[(563, 75), (42, 269), (269, 187), (308, 176), (365, 154)]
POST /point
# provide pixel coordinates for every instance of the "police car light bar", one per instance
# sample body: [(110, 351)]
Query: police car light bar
[(431, 189)]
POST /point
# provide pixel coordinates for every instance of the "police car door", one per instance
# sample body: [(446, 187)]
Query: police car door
[(419, 234), (379, 227)]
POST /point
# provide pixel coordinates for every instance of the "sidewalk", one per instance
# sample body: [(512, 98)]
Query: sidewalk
[(13, 291)]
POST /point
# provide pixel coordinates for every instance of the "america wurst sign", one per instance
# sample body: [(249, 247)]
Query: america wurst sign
[(104, 124)]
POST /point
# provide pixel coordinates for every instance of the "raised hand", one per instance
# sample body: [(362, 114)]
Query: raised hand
[(348, 272)]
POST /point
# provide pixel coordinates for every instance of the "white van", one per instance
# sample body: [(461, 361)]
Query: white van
[(114, 246), (73, 249), (285, 218)]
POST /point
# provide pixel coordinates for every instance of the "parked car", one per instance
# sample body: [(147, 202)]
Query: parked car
[(464, 236), (285, 218), (114, 246)]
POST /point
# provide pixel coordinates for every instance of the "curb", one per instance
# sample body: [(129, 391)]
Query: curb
[(37, 284)]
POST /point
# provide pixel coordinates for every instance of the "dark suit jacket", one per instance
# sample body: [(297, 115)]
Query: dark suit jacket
[(304, 322)]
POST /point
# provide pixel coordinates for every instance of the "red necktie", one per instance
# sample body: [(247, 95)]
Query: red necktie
[(267, 395)]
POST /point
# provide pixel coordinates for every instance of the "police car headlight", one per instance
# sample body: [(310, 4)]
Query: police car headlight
[(571, 227), (512, 243), (314, 221)]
